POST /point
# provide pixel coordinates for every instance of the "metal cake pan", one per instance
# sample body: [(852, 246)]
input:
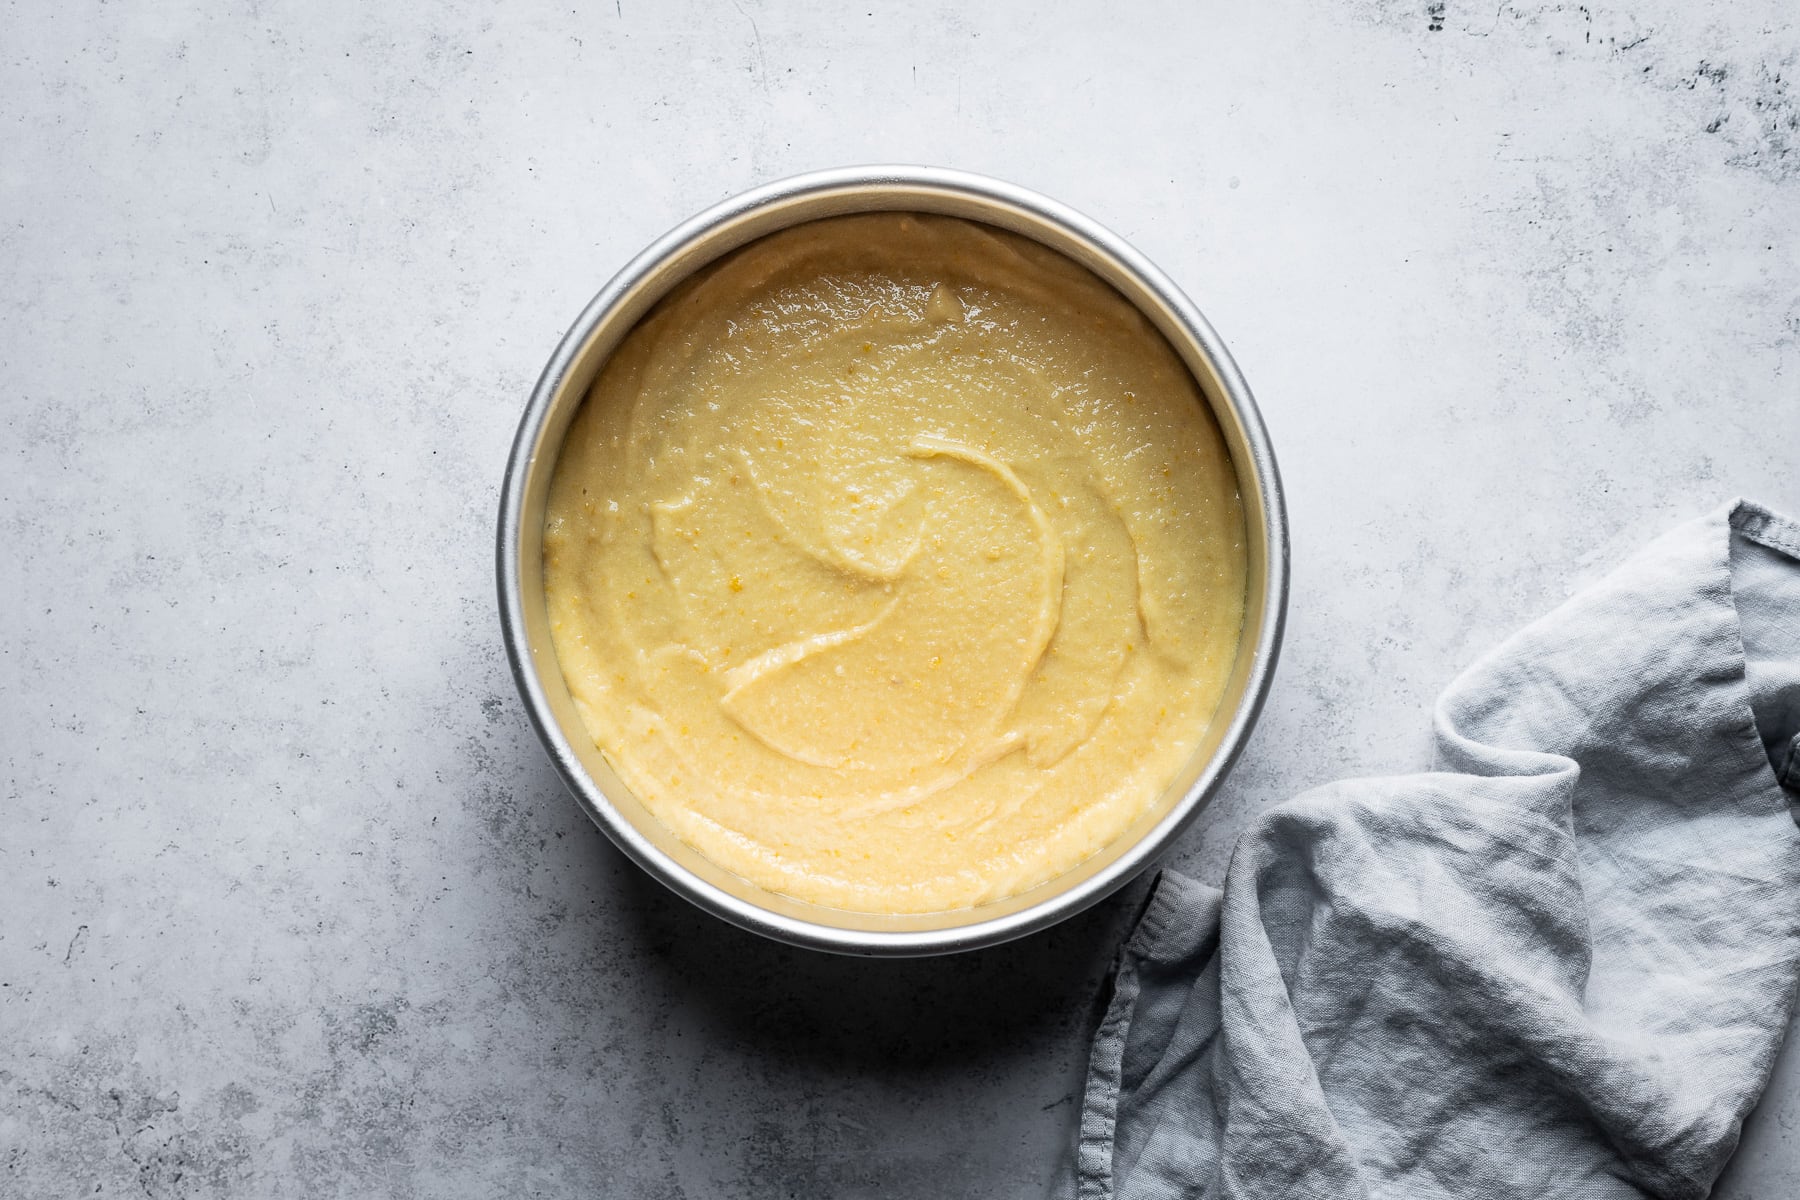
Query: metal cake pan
[(564, 385)]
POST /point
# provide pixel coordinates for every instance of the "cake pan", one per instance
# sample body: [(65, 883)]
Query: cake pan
[(565, 383)]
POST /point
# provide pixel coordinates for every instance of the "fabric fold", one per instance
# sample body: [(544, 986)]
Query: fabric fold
[(1558, 964)]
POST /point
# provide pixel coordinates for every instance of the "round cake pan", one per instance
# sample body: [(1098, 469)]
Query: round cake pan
[(565, 383)]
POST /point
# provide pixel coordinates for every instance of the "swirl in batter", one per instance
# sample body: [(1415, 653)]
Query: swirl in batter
[(896, 563)]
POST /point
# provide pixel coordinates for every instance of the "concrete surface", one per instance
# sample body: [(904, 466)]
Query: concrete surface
[(291, 905)]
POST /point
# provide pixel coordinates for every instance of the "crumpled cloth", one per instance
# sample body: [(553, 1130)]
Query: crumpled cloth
[(1558, 965)]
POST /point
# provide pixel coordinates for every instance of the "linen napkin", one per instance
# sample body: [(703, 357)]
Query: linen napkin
[(1558, 965)]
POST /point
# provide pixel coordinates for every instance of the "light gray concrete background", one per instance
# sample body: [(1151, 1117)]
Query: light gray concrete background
[(290, 903)]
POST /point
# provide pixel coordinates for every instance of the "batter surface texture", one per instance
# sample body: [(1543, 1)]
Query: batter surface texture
[(896, 563)]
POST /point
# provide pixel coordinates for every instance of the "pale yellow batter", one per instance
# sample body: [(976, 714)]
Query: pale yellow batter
[(895, 563)]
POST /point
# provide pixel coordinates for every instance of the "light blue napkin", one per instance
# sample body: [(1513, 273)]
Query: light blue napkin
[(1558, 965)]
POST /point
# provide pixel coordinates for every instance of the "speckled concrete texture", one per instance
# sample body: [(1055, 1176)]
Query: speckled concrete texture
[(291, 904)]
